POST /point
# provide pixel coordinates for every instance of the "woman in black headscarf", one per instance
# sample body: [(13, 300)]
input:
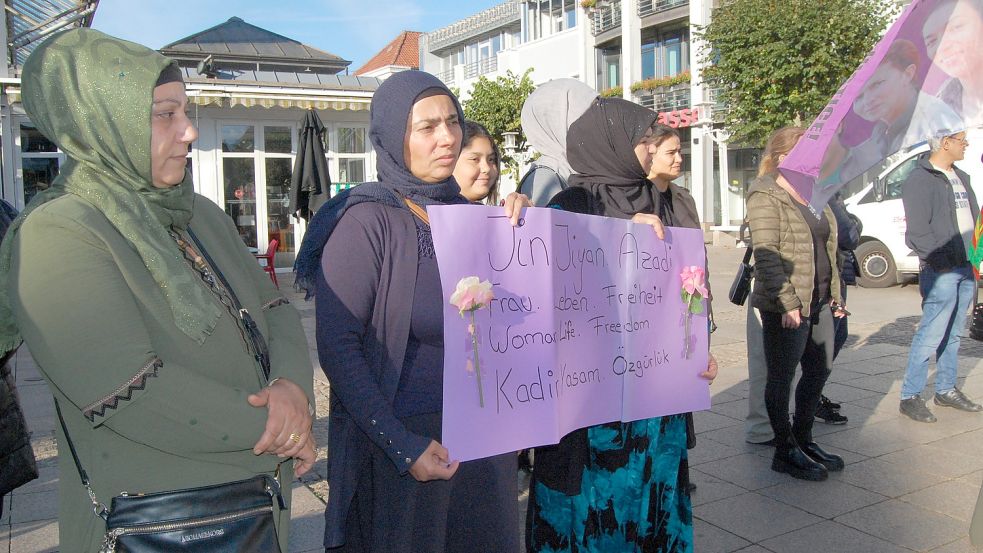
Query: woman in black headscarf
[(619, 486), (370, 254)]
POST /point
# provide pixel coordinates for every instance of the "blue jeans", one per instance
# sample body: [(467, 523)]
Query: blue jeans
[(946, 298)]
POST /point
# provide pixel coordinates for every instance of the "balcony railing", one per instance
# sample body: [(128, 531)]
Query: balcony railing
[(719, 107), (677, 97), (480, 67), (605, 17), (447, 77), (648, 7)]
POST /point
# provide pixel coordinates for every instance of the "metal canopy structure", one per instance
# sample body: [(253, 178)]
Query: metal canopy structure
[(241, 45), (29, 21)]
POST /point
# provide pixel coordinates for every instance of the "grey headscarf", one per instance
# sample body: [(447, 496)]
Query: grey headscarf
[(547, 115)]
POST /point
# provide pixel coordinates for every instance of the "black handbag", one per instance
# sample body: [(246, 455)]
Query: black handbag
[(236, 517), (741, 287)]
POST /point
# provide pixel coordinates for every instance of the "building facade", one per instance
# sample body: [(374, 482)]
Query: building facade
[(249, 90), (641, 50)]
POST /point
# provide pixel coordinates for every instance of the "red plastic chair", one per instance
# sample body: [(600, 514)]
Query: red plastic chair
[(269, 267)]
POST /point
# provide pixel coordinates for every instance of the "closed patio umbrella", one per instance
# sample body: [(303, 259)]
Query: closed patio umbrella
[(310, 185)]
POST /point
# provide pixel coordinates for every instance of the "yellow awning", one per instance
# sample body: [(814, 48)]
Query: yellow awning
[(233, 100), (253, 100)]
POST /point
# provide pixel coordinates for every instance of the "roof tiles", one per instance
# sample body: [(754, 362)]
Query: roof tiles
[(403, 51)]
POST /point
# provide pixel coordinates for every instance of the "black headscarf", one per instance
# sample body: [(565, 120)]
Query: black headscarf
[(600, 149), (391, 107)]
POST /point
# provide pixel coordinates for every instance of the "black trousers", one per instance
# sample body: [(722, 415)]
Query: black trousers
[(811, 344), (840, 329)]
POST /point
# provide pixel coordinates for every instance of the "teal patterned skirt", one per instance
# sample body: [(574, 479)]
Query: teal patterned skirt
[(633, 496)]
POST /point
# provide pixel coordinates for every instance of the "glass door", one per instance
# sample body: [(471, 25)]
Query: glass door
[(257, 165), (278, 162), (239, 180)]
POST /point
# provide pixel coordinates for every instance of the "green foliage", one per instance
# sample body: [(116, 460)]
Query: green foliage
[(613, 92), (693, 302), (498, 106), (656, 83), (778, 61)]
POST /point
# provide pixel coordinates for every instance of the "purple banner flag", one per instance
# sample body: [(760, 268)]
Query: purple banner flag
[(589, 320), (918, 83)]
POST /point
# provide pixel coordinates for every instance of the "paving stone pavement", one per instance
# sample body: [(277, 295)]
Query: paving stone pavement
[(906, 487)]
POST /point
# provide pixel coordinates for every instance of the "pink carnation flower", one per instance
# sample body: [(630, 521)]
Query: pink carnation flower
[(693, 280), (471, 294)]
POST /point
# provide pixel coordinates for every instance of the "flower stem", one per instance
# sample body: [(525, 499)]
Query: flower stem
[(477, 368), (686, 338)]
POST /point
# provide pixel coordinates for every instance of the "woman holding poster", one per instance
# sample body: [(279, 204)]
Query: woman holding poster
[(619, 486), (369, 252), (797, 292)]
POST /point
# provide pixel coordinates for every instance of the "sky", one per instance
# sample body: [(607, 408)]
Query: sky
[(353, 29)]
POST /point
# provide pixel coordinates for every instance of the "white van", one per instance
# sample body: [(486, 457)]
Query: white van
[(883, 257)]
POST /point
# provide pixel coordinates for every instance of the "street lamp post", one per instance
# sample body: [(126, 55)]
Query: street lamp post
[(519, 157)]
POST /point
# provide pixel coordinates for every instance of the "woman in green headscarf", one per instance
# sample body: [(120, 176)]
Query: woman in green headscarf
[(159, 382)]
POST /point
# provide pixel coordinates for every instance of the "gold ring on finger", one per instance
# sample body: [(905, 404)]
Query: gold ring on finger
[(295, 437)]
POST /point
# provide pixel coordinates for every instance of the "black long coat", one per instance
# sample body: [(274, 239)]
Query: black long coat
[(17, 465)]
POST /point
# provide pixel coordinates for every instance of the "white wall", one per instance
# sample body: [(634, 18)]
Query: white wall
[(554, 57)]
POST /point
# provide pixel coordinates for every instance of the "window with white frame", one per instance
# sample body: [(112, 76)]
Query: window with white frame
[(348, 151), (543, 18), (40, 160)]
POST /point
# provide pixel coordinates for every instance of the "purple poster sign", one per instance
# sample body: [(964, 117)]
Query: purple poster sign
[(591, 322), (912, 87)]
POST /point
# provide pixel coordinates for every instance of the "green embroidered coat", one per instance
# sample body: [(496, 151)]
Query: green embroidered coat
[(148, 408), (146, 359)]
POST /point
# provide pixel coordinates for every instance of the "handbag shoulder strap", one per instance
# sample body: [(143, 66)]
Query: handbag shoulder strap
[(215, 269), (746, 238), (417, 210), (98, 508), (255, 336)]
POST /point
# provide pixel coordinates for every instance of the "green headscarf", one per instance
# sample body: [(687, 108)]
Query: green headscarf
[(92, 95)]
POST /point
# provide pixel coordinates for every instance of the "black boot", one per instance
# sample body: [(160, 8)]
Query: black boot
[(790, 459), (833, 463)]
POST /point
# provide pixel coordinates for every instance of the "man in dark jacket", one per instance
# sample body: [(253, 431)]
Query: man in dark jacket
[(941, 209), (847, 240)]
